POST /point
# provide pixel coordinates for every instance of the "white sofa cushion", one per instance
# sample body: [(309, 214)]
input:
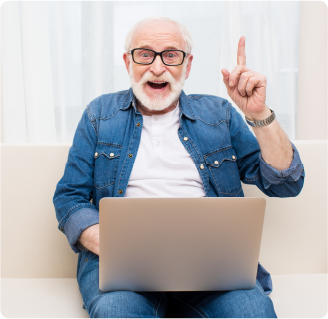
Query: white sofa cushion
[(300, 296)]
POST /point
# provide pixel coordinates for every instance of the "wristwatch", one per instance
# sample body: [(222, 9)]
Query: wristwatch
[(265, 122)]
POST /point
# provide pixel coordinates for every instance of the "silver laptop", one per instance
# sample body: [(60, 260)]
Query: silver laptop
[(179, 244)]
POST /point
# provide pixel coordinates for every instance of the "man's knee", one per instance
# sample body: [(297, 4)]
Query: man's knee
[(262, 307), (245, 304), (127, 304)]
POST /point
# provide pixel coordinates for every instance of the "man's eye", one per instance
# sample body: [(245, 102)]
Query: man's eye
[(170, 55), (145, 55)]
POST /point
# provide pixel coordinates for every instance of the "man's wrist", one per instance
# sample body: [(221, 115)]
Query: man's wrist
[(264, 119), (80, 246), (265, 113), (89, 238)]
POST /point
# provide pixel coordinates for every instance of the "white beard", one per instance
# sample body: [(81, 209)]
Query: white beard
[(157, 102)]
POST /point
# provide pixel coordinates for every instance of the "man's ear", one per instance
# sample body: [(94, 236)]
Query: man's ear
[(190, 57), (126, 60)]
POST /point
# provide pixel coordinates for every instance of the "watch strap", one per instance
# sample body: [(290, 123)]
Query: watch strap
[(261, 123)]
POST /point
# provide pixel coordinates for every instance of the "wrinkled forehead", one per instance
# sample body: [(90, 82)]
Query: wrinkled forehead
[(158, 33)]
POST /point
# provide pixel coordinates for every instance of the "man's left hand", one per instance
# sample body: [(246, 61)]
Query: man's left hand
[(246, 88)]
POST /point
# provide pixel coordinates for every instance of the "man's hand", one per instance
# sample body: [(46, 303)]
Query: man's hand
[(248, 91), (246, 88), (90, 238)]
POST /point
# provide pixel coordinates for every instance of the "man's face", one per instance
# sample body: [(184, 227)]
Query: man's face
[(147, 80)]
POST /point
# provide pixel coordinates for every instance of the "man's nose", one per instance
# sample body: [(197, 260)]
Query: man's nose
[(157, 67)]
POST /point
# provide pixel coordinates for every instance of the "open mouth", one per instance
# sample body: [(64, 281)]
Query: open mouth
[(157, 85)]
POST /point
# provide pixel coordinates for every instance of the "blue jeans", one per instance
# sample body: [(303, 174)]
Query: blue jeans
[(253, 303)]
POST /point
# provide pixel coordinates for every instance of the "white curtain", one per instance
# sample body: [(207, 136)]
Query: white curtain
[(58, 56)]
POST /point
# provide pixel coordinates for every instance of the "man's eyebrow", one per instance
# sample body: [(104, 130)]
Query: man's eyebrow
[(148, 46), (172, 48), (144, 45)]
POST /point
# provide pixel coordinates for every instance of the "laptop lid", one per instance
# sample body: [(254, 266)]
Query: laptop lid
[(179, 244)]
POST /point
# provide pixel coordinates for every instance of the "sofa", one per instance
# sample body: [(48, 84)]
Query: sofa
[(38, 268)]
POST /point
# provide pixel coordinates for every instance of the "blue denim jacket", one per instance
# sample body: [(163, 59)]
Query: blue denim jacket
[(109, 131)]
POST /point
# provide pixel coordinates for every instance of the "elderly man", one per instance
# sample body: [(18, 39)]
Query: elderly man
[(154, 140)]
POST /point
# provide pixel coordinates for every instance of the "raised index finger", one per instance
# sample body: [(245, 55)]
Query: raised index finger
[(241, 55)]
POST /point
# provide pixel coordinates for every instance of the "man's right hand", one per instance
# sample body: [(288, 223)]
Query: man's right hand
[(90, 238)]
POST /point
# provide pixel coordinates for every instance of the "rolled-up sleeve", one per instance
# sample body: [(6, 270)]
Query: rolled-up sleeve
[(77, 223), (292, 173)]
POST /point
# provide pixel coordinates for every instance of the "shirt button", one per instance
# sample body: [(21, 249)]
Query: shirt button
[(155, 118), (62, 229), (233, 157), (86, 260), (138, 124), (111, 154), (216, 162), (156, 142), (201, 166), (130, 155), (185, 138), (96, 154), (120, 192)]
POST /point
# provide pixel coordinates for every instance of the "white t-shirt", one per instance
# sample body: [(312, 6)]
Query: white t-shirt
[(163, 167)]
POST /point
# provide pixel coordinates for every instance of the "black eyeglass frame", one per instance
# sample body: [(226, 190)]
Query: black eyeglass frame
[(156, 54)]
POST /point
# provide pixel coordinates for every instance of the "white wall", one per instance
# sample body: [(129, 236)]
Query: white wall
[(311, 123)]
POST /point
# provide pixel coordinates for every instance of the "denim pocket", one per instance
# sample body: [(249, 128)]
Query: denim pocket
[(223, 167), (107, 158)]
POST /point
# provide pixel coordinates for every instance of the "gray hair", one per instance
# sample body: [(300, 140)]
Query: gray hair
[(185, 33)]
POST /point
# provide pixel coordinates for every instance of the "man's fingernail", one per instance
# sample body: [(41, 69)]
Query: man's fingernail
[(231, 83)]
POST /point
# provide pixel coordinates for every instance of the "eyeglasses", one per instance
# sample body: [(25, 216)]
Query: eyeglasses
[(147, 56)]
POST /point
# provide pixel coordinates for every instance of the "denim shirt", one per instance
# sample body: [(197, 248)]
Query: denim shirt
[(105, 145)]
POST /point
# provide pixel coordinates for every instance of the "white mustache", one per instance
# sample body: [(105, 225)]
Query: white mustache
[(164, 77)]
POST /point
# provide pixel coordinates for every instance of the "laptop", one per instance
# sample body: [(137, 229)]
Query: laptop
[(179, 244)]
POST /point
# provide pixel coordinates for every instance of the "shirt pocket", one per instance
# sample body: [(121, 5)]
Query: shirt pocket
[(224, 170), (107, 158)]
